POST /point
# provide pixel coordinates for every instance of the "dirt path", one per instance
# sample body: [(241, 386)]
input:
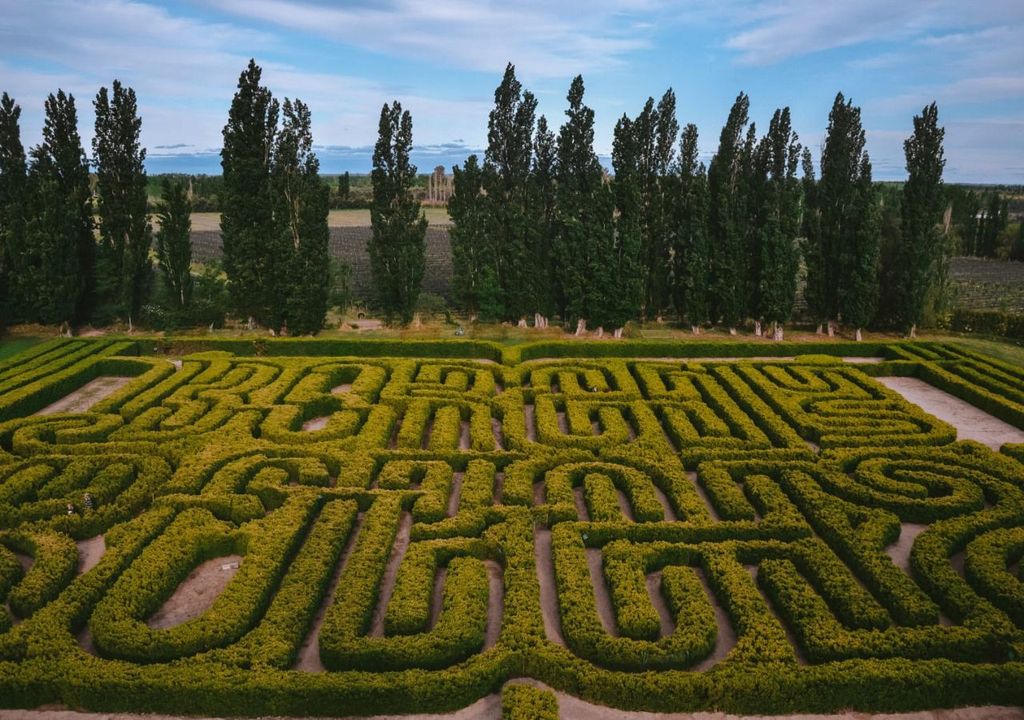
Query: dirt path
[(90, 552), (86, 396), (548, 591), (665, 620), (309, 654), (970, 422), (314, 424), (387, 583), (899, 551), (530, 415), (499, 434), (602, 599), (495, 604), (456, 494), (197, 594), (725, 641)]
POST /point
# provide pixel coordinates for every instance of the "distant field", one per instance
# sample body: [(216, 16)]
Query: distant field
[(210, 222), (983, 284)]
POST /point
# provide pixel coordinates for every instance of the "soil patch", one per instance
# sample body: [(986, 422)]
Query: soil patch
[(970, 422), (86, 396), (197, 593), (90, 552)]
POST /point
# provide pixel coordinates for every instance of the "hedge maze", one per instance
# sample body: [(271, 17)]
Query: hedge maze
[(759, 535)]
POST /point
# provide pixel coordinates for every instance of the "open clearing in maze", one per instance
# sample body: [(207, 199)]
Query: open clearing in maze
[(341, 527)]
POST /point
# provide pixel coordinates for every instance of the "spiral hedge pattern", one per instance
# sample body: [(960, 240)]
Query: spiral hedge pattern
[(660, 534)]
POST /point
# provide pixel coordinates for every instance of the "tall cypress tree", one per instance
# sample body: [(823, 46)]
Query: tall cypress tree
[(920, 252), (506, 182), (252, 243), (726, 226), (815, 290), (174, 242), (397, 245), (302, 205), (14, 275), (690, 254), (584, 208), (849, 221), (625, 268), (123, 266), (59, 243), (777, 222), (541, 277), (470, 251)]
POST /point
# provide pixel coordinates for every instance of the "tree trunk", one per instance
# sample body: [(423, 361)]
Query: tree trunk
[(65, 329), (732, 331), (819, 331), (757, 328), (857, 335), (695, 329), (618, 333), (130, 327), (913, 331), (581, 327), (251, 324), (600, 331), (831, 329), (522, 323), (777, 333)]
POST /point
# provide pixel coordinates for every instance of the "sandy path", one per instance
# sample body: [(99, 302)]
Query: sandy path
[(725, 641), (704, 496), (387, 583), (801, 660), (665, 620), (666, 506), (569, 708), (341, 389), (455, 494), (499, 434), (563, 422), (624, 506), (197, 593), (498, 488), (309, 653), (464, 440), (437, 597), (602, 599), (899, 551), (314, 424), (581, 504), (970, 422), (530, 415), (86, 396), (548, 588), (90, 552)]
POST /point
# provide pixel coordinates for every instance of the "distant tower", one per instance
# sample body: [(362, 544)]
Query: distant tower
[(439, 186)]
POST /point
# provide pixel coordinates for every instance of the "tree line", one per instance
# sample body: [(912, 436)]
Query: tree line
[(540, 229)]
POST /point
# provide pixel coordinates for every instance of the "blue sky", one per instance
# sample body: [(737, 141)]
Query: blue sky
[(443, 58)]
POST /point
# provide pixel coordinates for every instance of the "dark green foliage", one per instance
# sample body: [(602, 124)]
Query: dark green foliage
[(690, 252), (399, 228), (544, 288), (921, 255), (777, 222), (468, 234), (59, 245), (252, 243), (726, 225), (344, 185), (123, 265), (174, 243), (849, 220), (13, 188), (623, 274), (1017, 251), (302, 205), (506, 184), (584, 209)]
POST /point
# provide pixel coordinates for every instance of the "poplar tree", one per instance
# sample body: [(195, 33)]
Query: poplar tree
[(921, 250), (728, 274), (584, 209), (623, 272), (849, 220), (397, 245), (252, 247), (59, 243), (174, 242), (506, 183), (544, 289), (344, 186), (777, 221), (123, 266), (14, 274), (690, 237), (468, 234), (815, 289), (302, 206)]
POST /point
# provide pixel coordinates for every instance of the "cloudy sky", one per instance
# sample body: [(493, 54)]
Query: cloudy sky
[(443, 58)]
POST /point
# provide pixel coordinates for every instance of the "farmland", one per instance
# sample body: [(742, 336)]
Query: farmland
[(328, 527)]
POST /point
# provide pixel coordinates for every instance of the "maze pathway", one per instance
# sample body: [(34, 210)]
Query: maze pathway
[(409, 534)]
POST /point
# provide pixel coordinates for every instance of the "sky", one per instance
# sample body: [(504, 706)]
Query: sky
[(442, 59)]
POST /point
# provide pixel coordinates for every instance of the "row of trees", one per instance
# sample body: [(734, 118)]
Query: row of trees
[(73, 249), (540, 229)]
